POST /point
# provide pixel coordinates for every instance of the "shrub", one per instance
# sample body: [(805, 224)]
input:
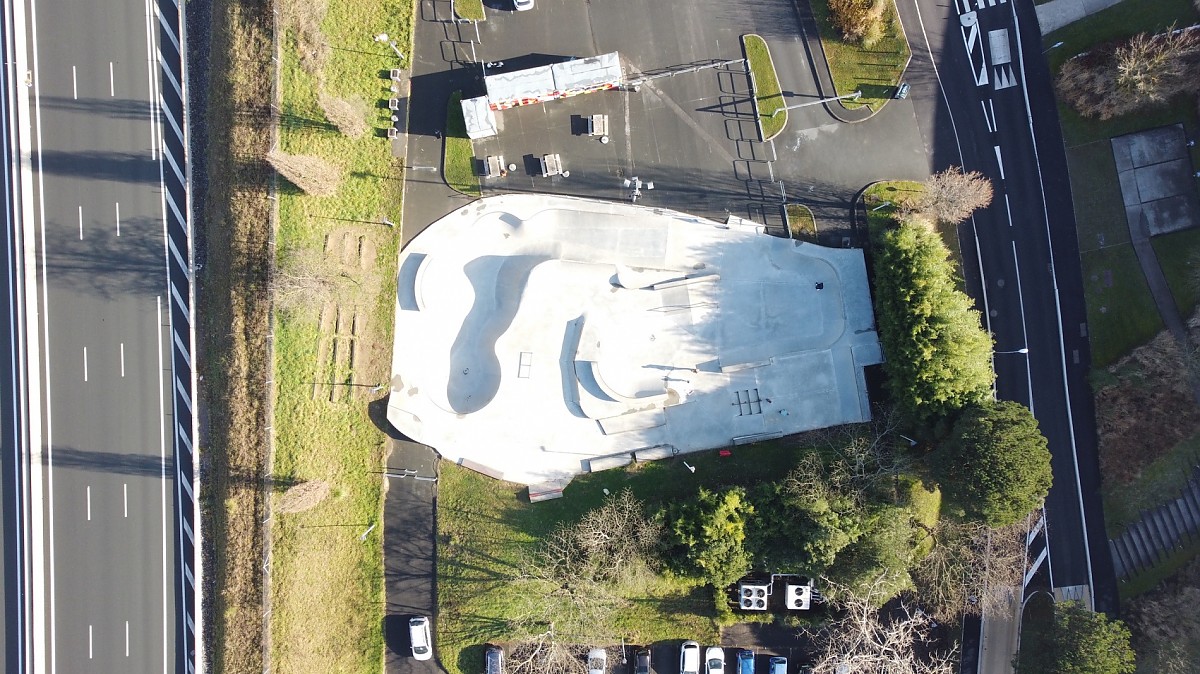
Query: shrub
[(1121, 78), (857, 20)]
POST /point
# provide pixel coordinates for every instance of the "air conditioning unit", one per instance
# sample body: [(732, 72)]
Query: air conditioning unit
[(752, 597), (799, 597)]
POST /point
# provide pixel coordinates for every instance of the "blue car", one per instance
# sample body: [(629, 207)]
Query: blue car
[(745, 661), (778, 665)]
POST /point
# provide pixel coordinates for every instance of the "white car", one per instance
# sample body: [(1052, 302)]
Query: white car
[(714, 660), (418, 635), (689, 658), (597, 661), (522, 5)]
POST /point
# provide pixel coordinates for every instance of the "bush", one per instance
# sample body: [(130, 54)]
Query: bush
[(1078, 642), (938, 355), (309, 173), (858, 20), (349, 116), (707, 536), (1125, 77)]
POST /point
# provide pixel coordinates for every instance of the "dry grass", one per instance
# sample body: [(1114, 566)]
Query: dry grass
[(234, 328)]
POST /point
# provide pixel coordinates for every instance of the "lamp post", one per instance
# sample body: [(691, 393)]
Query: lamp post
[(1020, 350), (854, 97)]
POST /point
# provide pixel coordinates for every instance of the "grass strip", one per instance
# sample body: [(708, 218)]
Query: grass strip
[(233, 315), (876, 71), (458, 162), (1179, 256), (329, 357), (471, 10), (801, 223), (1121, 312), (1157, 483), (772, 109)]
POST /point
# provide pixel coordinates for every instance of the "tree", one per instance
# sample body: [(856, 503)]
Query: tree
[(858, 20), (708, 534), (305, 281), (1078, 641), (349, 116), (952, 195), (861, 640), (971, 568), (876, 565), (938, 355), (995, 466), (1124, 77), (310, 173)]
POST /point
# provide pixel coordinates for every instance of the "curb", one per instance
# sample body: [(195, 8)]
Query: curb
[(810, 33)]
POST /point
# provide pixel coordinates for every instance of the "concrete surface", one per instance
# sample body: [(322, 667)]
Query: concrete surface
[(1058, 13), (542, 337)]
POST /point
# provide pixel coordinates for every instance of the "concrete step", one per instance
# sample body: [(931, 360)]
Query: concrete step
[(1118, 562), (1164, 534), (1150, 546), (1133, 561), (1193, 504), (1145, 553), (1170, 533), (1181, 524)]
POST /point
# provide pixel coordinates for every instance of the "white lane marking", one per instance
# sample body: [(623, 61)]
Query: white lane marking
[(162, 453), (89, 503), (125, 498), (1008, 210), (992, 109), (74, 83), (989, 120), (85, 371), (118, 218), (89, 642), (112, 86), (1062, 345), (1024, 330), (126, 638), (122, 359), (999, 160), (81, 223), (150, 83)]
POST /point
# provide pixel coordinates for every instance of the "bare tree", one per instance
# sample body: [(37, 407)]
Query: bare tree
[(952, 195), (864, 640), (544, 654), (310, 173), (305, 281), (971, 568), (302, 18), (349, 116)]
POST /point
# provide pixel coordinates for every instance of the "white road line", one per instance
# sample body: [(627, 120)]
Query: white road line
[(122, 359), (125, 499), (999, 160), (81, 223), (162, 452), (74, 83), (1008, 209), (112, 87), (89, 503), (1062, 345), (1024, 330), (89, 642), (151, 64), (85, 369), (992, 109), (118, 218), (126, 638), (986, 120)]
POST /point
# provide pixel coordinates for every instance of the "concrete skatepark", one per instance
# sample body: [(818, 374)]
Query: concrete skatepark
[(541, 337)]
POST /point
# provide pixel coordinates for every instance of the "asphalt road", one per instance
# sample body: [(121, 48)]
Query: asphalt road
[(108, 534), (1024, 269)]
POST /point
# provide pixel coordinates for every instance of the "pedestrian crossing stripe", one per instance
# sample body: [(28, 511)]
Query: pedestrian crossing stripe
[(980, 4)]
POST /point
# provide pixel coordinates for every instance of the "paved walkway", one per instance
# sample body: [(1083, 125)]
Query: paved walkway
[(1058, 13)]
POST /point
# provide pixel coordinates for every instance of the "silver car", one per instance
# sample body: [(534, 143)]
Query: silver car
[(418, 636), (689, 658), (522, 5)]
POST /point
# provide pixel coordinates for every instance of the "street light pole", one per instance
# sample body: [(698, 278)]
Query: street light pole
[(1020, 350), (854, 97)]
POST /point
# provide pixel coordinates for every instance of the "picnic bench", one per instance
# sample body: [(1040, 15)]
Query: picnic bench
[(551, 165)]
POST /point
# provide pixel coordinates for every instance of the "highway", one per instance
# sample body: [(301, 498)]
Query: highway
[(1021, 255), (106, 542)]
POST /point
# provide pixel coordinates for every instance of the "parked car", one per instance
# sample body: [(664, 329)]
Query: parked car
[(641, 662), (597, 661), (493, 660), (778, 665), (689, 658), (902, 90), (714, 659), (522, 5), (418, 636), (745, 661)]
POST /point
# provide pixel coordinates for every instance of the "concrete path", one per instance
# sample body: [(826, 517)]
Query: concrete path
[(1001, 634), (1058, 13)]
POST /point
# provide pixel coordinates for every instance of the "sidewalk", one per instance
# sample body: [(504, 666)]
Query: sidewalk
[(1001, 634), (1058, 13)]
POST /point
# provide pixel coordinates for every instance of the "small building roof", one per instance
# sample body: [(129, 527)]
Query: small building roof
[(479, 118)]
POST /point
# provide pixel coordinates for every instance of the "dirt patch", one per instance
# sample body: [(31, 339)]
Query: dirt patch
[(1145, 407), (1166, 626), (304, 496)]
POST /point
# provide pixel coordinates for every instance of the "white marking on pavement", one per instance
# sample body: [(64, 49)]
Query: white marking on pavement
[(992, 109), (125, 499), (85, 372), (999, 160), (81, 223), (150, 82), (118, 218), (989, 120), (89, 642), (1024, 330), (122, 359), (126, 638), (112, 86), (89, 503), (1008, 210), (162, 480), (74, 83)]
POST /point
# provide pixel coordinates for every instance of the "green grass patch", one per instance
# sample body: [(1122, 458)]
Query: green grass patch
[(1099, 210), (471, 10), (1158, 482), (767, 92), (1179, 255), (801, 223), (322, 573), (1121, 313), (1150, 579), (926, 507), (458, 164), (875, 72)]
